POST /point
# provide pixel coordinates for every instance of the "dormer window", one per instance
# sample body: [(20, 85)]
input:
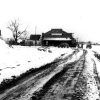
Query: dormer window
[(56, 34)]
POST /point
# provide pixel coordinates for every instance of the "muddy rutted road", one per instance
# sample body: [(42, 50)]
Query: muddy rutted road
[(72, 77)]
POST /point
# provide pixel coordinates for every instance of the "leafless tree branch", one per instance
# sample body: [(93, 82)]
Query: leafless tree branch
[(14, 27)]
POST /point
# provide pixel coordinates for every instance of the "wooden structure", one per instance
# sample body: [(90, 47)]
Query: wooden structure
[(56, 37), (35, 38)]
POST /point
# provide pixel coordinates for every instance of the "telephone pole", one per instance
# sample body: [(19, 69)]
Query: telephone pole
[(35, 35)]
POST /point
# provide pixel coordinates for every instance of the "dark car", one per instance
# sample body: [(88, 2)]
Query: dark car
[(63, 45), (89, 45)]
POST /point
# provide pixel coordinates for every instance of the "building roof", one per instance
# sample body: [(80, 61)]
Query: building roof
[(35, 37), (57, 39), (57, 33)]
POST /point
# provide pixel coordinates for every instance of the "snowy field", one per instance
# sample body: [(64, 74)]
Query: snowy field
[(17, 60)]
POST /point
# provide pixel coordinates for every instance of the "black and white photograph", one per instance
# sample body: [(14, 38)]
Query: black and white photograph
[(49, 49)]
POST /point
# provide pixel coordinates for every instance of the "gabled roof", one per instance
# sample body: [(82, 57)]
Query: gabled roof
[(57, 31)]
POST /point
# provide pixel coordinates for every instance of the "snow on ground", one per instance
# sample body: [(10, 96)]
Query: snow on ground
[(19, 59), (92, 92), (96, 48)]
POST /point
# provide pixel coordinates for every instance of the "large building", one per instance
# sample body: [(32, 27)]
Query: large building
[(56, 37)]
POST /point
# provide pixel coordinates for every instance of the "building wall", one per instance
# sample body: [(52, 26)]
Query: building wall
[(30, 43)]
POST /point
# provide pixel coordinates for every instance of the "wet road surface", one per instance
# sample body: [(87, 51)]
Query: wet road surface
[(71, 77)]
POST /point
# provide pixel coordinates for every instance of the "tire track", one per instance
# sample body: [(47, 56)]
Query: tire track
[(81, 84), (62, 85), (30, 84), (59, 67)]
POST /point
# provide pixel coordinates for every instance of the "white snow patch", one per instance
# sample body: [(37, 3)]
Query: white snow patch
[(92, 89), (19, 59), (96, 48)]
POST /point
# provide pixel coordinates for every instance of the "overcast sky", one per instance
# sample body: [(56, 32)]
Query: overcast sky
[(81, 17)]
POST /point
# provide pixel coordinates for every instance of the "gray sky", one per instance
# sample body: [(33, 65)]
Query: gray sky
[(81, 17)]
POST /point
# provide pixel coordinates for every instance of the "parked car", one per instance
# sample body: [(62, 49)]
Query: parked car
[(89, 45), (63, 45)]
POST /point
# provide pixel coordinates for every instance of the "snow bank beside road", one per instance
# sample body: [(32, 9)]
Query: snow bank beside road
[(19, 59), (92, 92), (96, 49)]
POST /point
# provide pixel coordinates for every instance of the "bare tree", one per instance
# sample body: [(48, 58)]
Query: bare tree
[(14, 27)]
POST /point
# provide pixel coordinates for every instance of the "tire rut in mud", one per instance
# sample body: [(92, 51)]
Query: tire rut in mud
[(62, 85), (44, 70)]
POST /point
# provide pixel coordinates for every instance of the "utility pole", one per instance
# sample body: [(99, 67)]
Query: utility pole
[(35, 35), (0, 32)]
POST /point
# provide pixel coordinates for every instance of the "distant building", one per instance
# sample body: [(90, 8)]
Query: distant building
[(56, 37), (35, 39)]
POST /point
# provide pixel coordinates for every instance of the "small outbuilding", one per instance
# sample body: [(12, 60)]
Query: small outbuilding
[(57, 37), (35, 38)]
